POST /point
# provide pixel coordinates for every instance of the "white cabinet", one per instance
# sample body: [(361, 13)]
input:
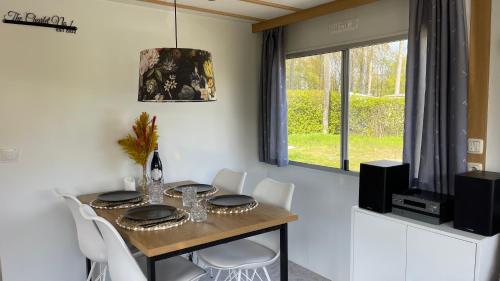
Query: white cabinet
[(372, 234), (437, 257), (387, 247)]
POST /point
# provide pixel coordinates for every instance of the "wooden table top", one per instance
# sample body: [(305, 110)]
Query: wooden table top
[(217, 226)]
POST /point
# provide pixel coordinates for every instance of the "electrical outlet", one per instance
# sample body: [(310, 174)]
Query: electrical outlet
[(474, 167), (475, 146), (8, 155)]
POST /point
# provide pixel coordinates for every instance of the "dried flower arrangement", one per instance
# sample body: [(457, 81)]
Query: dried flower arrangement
[(140, 145)]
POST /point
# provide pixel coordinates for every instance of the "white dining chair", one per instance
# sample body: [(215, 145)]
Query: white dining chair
[(230, 180), (241, 256), (122, 265), (89, 239)]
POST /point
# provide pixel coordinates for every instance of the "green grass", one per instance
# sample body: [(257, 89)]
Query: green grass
[(324, 149)]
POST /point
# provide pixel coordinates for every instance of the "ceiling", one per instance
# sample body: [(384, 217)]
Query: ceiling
[(249, 10)]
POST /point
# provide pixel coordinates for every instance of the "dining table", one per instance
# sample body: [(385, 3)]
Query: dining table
[(194, 236)]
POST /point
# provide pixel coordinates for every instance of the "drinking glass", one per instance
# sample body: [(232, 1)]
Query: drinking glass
[(188, 196), (155, 193), (199, 211), (144, 184)]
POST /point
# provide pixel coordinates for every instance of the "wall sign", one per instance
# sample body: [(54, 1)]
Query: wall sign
[(344, 26), (28, 18)]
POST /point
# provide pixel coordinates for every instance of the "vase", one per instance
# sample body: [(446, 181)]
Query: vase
[(143, 181)]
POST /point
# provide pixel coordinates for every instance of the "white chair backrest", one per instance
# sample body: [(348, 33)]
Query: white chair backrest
[(274, 193), (89, 239), (230, 180), (122, 265)]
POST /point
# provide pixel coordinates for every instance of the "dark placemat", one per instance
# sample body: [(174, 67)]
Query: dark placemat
[(98, 204), (119, 196), (231, 200), (200, 188), (231, 210), (150, 212), (181, 217), (171, 192)]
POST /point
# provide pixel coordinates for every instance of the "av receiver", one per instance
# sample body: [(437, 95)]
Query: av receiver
[(423, 205)]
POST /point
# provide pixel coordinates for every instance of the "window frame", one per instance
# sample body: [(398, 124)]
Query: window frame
[(344, 118)]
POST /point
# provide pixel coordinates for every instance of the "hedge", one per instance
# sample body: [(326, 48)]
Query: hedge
[(370, 116)]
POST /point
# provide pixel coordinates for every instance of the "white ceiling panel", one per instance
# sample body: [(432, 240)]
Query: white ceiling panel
[(302, 4), (237, 8)]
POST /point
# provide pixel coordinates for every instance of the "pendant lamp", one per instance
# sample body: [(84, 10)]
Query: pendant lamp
[(176, 74)]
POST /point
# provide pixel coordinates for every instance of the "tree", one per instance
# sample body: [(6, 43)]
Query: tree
[(291, 72), (370, 72), (364, 71), (399, 68), (376, 70), (327, 86)]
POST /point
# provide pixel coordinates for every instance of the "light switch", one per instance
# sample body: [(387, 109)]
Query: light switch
[(475, 146), (8, 155)]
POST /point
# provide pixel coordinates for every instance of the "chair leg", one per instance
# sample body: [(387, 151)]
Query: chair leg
[(267, 274), (218, 275), (233, 275), (101, 273), (91, 271), (254, 273), (105, 272), (245, 275), (229, 275)]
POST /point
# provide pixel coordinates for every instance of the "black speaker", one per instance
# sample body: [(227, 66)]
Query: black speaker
[(477, 202), (378, 180)]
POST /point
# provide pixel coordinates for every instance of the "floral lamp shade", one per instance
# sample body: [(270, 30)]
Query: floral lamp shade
[(176, 75)]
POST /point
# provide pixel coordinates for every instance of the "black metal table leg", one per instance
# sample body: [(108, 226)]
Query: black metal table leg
[(283, 228), (190, 257), (284, 252), (151, 270), (88, 265)]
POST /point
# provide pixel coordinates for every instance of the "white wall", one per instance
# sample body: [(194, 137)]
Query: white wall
[(320, 239), (65, 100), (493, 138)]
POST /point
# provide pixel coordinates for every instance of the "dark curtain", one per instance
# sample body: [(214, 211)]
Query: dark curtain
[(435, 139), (273, 136)]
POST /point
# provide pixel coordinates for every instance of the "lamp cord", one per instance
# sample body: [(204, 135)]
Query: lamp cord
[(175, 15)]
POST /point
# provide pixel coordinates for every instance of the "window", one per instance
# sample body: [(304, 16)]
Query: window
[(347, 107), (314, 84)]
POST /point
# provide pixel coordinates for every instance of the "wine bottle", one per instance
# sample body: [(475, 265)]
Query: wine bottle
[(156, 167)]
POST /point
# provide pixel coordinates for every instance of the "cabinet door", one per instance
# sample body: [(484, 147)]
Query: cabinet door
[(378, 249), (436, 257)]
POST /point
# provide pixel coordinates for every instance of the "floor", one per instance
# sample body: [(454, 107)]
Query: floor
[(295, 273)]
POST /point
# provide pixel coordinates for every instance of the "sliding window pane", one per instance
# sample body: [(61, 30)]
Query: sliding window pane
[(314, 110), (376, 102)]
